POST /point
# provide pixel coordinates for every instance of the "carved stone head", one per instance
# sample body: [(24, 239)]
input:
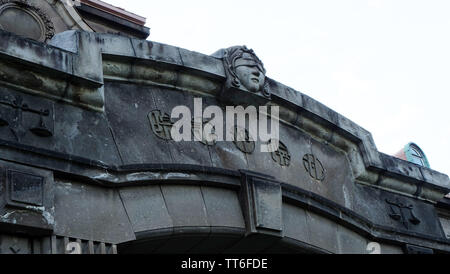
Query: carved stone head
[(245, 70)]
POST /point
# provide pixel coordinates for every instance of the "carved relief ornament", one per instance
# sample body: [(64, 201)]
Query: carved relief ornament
[(24, 8), (244, 71)]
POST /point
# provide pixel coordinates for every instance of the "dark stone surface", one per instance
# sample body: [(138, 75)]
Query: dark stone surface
[(264, 163), (391, 250), (201, 62), (225, 154), (284, 208), (222, 207), (338, 185), (188, 211), (291, 246), (400, 167), (72, 130), (267, 203), (351, 242), (95, 213), (261, 202), (85, 134), (286, 93), (298, 145), (253, 244), (185, 240), (182, 240), (322, 232), (156, 51), (146, 208), (132, 131), (373, 203), (215, 243), (435, 178), (26, 188), (32, 51), (318, 111), (411, 249), (20, 116), (15, 245), (294, 223), (27, 199), (182, 152)]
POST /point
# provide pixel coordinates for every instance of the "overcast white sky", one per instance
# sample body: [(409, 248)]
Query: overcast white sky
[(384, 64)]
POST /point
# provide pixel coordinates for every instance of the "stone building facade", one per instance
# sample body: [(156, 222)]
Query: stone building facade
[(88, 164)]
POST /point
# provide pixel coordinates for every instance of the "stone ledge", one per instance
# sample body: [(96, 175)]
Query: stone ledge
[(82, 58), (93, 173), (48, 71)]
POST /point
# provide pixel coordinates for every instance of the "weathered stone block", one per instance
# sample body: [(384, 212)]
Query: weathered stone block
[(222, 207), (261, 201), (294, 223), (133, 134), (15, 245), (188, 211), (146, 208), (322, 232), (351, 242), (337, 184), (97, 214), (29, 199), (202, 62), (157, 51), (184, 152)]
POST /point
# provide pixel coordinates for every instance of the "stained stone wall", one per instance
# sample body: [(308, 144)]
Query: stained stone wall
[(87, 165)]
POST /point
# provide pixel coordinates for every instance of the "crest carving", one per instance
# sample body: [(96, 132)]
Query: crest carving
[(403, 213), (22, 115), (314, 167), (282, 156), (243, 141)]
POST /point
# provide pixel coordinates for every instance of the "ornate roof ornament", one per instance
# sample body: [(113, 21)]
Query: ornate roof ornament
[(244, 71)]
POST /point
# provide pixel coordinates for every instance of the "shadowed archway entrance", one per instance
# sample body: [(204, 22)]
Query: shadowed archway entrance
[(212, 241)]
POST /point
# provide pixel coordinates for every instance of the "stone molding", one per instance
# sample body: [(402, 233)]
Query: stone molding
[(82, 61), (75, 65), (122, 177)]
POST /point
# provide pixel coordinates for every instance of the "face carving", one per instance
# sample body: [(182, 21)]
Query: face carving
[(245, 70), (250, 74)]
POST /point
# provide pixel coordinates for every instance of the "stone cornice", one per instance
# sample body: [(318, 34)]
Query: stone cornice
[(91, 172), (80, 62)]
